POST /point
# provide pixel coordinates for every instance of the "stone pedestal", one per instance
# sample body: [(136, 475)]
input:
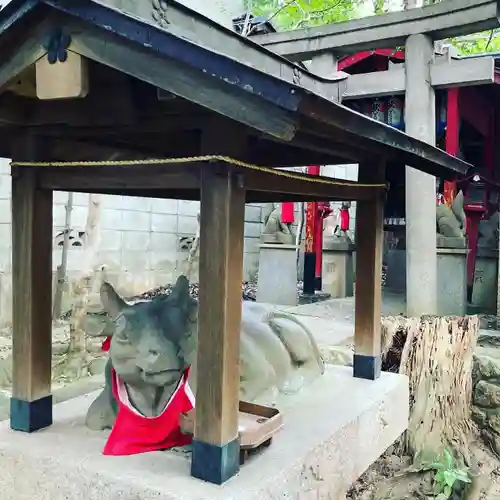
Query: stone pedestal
[(338, 269), (316, 455), (277, 283), (484, 295), (452, 281), (277, 239), (395, 280), (451, 273)]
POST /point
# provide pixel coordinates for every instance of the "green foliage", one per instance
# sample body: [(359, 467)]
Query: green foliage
[(292, 14), (447, 474), (478, 43)]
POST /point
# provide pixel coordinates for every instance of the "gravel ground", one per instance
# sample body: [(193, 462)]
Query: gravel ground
[(248, 291)]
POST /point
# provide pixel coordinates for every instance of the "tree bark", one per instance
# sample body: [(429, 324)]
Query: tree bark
[(61, 270), (436, 353), (84, 284)]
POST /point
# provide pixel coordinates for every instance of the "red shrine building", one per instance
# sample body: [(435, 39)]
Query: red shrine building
[(467, 126)]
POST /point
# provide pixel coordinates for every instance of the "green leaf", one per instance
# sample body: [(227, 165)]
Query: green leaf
[(448, 490), (437, 489), (462, 476), (442, 496), (435, 466), (439, 477), (449, 478), (448, 459)]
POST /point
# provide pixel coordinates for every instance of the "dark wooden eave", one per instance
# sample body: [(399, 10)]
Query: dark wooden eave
[(283, 103)]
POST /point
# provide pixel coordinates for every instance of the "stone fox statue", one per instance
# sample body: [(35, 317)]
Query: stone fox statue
[(154, 342)]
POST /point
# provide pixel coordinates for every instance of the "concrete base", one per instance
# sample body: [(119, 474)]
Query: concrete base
[(277, 239), (312, 298), (333, 431), (452, 281), (338, 270), (395, 279), (277, 281), (451, 273), (484, 294)]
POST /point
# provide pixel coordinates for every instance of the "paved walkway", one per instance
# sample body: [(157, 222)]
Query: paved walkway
[(343, 309), (332, 321)]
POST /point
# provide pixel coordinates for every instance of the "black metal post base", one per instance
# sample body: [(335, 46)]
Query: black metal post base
[(318, 283), (215, 464), (309, 273), (30, 416), (367, 367)]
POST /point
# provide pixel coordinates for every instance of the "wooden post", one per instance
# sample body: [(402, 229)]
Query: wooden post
[(31, 402), (368, 297), (216, 444)]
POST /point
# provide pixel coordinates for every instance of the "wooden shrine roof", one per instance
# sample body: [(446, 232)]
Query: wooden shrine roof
[(291, 116)]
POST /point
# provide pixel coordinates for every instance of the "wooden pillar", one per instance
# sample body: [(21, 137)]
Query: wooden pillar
[(368, 297), (31, 402), (216, 448)]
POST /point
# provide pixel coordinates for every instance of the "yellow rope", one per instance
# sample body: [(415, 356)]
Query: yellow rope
[(191, 159)]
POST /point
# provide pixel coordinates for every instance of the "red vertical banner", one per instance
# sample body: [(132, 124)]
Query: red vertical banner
[(288, 212), (318, 246), (312, 209), (310, 281), (316, 230), (310, 216)]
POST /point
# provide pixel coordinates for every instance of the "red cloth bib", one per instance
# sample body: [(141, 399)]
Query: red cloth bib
[(106, 345), (133, 433), (344, 219)]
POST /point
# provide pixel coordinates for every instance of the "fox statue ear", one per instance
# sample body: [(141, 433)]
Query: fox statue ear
[(181, 296), (112, 303), (180, 291)]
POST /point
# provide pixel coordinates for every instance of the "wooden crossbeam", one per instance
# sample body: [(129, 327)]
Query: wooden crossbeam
[(186, 177)]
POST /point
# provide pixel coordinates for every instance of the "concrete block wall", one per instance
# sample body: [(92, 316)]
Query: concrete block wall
[(140, 239)]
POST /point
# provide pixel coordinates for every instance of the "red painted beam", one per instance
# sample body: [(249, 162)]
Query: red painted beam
[(348, 61)]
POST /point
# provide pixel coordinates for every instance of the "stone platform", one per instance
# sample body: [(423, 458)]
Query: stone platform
[(333, 431)]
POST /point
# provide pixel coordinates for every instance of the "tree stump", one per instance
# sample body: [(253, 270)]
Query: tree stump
[(436, 353)]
